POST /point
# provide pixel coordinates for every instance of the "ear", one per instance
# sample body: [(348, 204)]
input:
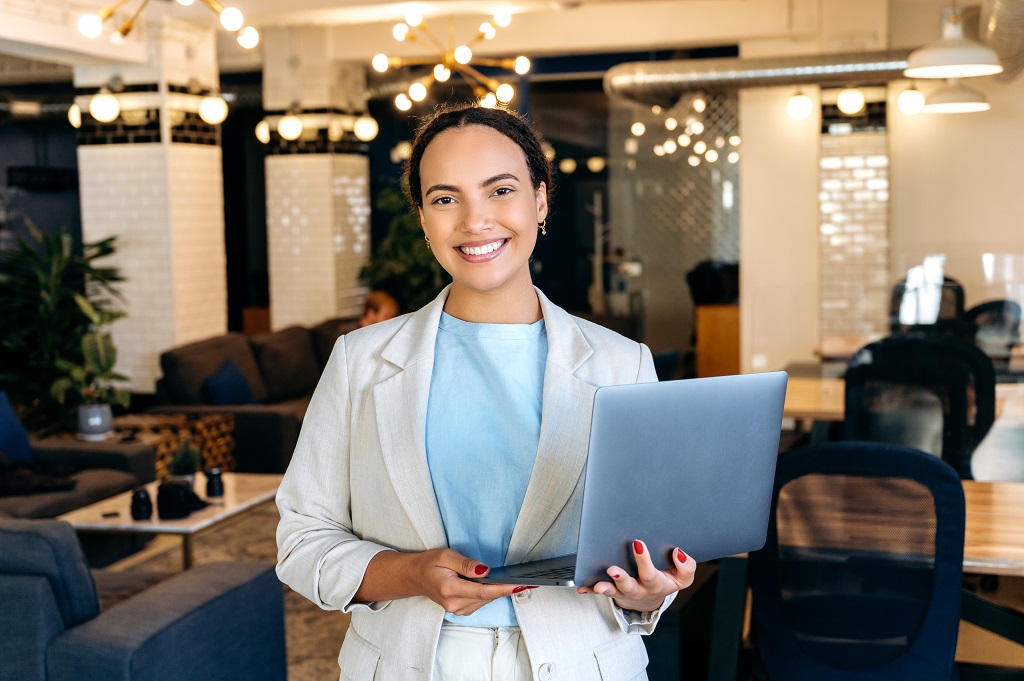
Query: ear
[(419, 211), (542, 202)]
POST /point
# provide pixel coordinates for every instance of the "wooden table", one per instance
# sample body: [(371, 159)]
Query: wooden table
[(242, 492)]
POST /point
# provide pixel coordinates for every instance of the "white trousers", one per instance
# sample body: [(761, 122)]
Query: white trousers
[(481, 654)]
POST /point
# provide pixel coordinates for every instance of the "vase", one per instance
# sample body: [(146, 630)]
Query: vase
[(95, 422)]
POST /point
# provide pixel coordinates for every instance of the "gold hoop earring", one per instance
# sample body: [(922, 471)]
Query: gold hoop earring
[(543, 224), (427, 239)]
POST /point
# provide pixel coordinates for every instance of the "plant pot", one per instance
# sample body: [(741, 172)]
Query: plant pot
[(95, 422)]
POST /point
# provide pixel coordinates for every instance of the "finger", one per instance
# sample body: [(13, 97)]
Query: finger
[(463, 565), (685, 567), (645, 570)]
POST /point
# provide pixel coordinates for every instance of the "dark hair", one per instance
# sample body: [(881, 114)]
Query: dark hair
[(508, 123)]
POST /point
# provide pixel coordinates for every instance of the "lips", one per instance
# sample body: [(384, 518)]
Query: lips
[(481, 251)]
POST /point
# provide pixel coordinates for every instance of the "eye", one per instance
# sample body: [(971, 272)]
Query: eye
[(503, 191), (443, 201)]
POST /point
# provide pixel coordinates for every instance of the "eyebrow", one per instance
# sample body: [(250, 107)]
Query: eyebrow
[(486, 183)]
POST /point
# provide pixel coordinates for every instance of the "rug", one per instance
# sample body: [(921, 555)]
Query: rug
[(313, 635)]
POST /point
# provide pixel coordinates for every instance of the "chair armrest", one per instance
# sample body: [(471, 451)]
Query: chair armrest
[(65, 455), (216, 621)]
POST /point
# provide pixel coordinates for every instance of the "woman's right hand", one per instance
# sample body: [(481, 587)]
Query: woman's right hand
[(437, 574)]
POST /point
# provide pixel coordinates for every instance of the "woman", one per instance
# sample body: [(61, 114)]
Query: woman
[(445, 441)]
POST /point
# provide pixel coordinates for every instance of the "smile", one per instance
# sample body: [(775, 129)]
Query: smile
[(483, 249)]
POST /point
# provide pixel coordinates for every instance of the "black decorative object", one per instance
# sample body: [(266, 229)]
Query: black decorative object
[(214, 483), (142, 504)]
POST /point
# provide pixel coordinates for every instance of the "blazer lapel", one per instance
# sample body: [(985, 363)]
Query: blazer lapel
[(564, 432)]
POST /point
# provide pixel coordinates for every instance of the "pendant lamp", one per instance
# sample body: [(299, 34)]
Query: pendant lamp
[(953, 55)]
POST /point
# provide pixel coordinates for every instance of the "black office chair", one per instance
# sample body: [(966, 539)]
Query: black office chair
[(951, 310), (932, 393), (997, 324), (861, 572)]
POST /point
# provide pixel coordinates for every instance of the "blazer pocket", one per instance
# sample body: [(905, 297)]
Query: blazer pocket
[(358, 658), (623, 659)]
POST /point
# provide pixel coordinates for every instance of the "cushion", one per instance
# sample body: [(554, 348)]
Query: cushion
[(90, 486), (13, 438), (228, 386), (288, 362), (186, 367)]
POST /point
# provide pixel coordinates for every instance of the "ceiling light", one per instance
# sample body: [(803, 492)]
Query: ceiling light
[(734, 140), (700, 147), (400, 31), (503, 17), (75, 116), (403, 102), (488, 101), (90, 25), (799, 106), (505, 93), (671, 123), (850, 101), (699, 104), (956, 98), (379, 63), (696, 127), (463, 54), (711, 155), (669, 146), (693, 160), (414, 19), (953, 55), (733, 157), (488, 31), (911, 101), (442, 73), (684, 140), (213, 109), (289, 127), (522, 65), (638, 129), (365, 128), (263, 132), (567, 166), (104, 106), (659, 150), (417, 92), (231, 18), (248, 37), (595, 164)]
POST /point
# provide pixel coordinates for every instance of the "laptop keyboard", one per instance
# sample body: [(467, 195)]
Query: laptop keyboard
[(565, 572)]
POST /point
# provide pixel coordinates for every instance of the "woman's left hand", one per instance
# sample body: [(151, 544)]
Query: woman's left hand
[(648, 590)]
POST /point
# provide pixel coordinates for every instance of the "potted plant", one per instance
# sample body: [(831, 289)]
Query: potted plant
[(185, 461)]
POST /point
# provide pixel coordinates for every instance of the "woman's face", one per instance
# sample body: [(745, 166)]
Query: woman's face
[(480, 210)]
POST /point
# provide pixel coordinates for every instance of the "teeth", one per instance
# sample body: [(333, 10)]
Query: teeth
[(482, 250)]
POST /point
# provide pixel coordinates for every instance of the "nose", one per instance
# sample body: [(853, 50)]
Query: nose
[(478, 217)]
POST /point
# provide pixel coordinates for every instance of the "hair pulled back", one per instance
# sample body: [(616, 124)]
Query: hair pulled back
[(508, 123)]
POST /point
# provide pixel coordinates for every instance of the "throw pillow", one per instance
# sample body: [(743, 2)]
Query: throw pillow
[(13, 438), (228, 386)]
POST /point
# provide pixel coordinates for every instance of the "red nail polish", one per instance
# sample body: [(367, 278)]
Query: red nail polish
[(519, 589), (681, 555), (616, 576), (638, 548), (480, 569), (531, 587)]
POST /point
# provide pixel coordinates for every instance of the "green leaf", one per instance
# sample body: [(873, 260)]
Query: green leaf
[(99, 352)]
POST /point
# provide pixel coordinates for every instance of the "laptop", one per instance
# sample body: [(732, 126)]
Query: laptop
[(687, 463)]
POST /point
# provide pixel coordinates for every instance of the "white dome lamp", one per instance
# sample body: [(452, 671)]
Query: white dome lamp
[(213, 109), (799, 106), (365, 128), (104, 106), (956, 98), (953, 55)]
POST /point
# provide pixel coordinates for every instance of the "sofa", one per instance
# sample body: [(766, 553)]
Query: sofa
[(266, 381), (217, 622)]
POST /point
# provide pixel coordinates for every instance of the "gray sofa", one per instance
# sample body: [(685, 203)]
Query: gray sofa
[(217, 622), (281, 368)]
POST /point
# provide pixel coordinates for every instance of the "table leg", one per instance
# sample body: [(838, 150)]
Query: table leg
[(727, 630), (186, 549)]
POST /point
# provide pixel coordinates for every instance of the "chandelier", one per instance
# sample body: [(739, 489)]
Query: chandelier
[(449, 58), (91, 25)]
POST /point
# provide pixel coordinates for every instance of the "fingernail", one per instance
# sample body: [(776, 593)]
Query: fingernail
[(520, 588), (531, 587), (638, 547), (616, 576), (680, 555), (480, 569)]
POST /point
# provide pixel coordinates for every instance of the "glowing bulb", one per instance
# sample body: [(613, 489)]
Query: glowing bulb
[(638, 129), (379, 63), (696, 127), (90, 25), (463, 54), (213, 109), (503, 17), (417, 92), (549, 151), (488, 30), (911, 101), (403, 102), (733, 157), (248, 37), (104, 107), (595, 164), (684, 140), (850, 100), (289, 127), (505, 93), (631, 145), (400, 31), (263, 132), (799, 106), (442, 73), (185, 3), (671, 123), (567, 166), (488, 101), (365, 128), (655, 109), (699, 104), (659, 150), (734, 140), (522, 65), (711, 156), (669, 146), (75, 116), (414, 18), (231, 18), (693, 160), (700, 147)]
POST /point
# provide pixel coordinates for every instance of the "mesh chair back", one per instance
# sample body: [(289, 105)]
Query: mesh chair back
[(998, 326), (931, 393), (951, 307), (860, 574)]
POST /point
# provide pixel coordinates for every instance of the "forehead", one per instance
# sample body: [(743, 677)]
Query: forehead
[(472, 150)]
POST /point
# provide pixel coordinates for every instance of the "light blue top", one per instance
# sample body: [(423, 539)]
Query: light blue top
[(483, 428)]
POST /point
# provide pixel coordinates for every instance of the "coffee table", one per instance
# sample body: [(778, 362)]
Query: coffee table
[(242, 492)]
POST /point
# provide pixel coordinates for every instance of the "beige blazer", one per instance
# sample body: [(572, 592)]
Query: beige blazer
[(358, 484)]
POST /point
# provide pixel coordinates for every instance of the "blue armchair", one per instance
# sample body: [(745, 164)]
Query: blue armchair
[(217, 622)]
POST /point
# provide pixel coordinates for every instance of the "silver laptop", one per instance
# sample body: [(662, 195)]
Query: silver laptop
[(687, 463)]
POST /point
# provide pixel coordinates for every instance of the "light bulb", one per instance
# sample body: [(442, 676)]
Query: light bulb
[(659, 150), (75, 116), (463, 54), (505, 93), (699, 104), (671, 123), (733, 157), (365, 128), (213, 109), (90, 25), (488, 101), (656, 110), (442, 73), (104, 107), (263, 132), (289, 127), (734, 140), (684, 140), (669, 146), (379, 62), (567, 166), (911, 101), (693, 160), (799, 106), (638, 129), (403, 102), (850, 100), (719, 142), (248, 37), (487, 30), (595, 164), (417, 92), (522, 65), (414, 18), (503, 17), (711, 156), (700, 147), (231, 18), (631, 145), (696, 127), (186, 3), (400, 31), (549, 151)]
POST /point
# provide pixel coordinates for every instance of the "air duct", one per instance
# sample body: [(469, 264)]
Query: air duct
[(1001, 27)]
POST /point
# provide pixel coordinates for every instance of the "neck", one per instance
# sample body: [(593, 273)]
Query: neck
[(494, 307)]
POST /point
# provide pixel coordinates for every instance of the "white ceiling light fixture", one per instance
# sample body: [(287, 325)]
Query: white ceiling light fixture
[(910, 101), (213, 109), (850, 101), (955, 98), (263, 132), (75, 116), (290, 127), (104, 106), (953, 55), (799, 106), (91, 25)]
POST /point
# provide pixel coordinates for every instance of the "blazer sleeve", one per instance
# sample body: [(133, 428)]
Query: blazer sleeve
[(318, 555)]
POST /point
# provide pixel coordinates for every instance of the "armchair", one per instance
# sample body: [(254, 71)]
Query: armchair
[(217, 622)]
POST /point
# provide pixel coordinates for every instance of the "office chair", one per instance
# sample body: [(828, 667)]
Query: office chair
[(932, 393), (861, 572), (951, 309), (997, 324)]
